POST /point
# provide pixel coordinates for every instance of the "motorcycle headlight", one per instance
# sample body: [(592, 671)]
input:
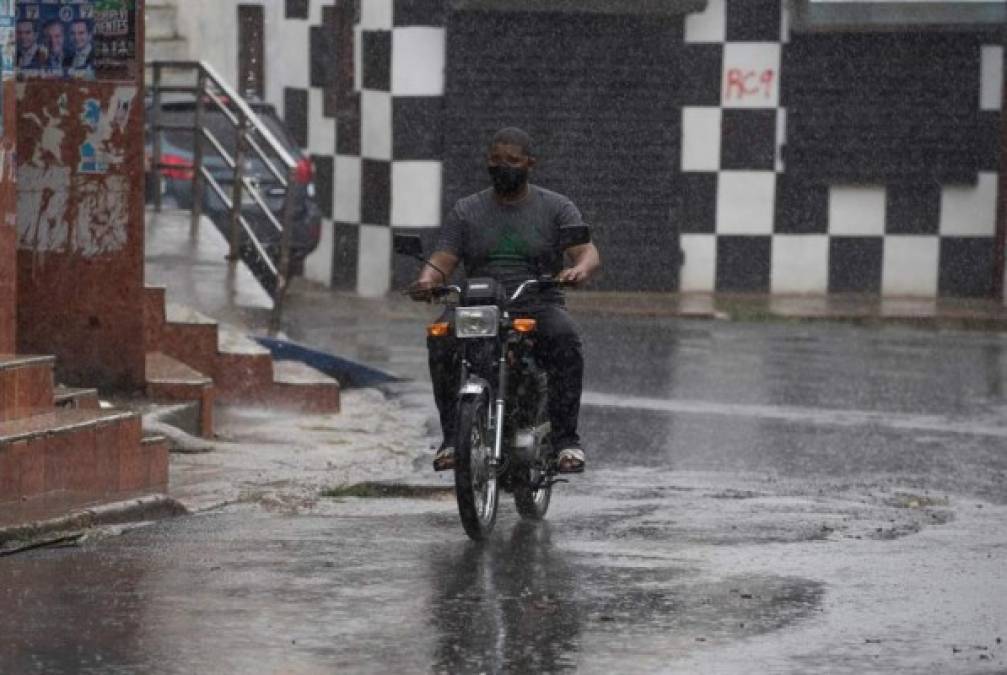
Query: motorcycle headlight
[(477, 322)]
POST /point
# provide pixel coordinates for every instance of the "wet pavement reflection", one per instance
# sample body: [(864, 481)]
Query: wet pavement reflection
[(762, 498), (384, 586), (509, 606)]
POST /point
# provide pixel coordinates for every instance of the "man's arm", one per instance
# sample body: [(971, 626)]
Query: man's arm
[(446, 254), (586, 261), (440, 260), (431, 277)]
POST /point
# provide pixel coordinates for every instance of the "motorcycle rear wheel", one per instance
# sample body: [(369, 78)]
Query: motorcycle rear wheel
[(532, 503), (476, 487)]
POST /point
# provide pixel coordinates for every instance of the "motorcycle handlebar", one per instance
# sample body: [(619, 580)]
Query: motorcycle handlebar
[(437, 292)]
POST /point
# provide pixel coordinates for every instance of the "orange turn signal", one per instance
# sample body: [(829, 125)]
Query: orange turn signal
[(525, 325), (439, 329)]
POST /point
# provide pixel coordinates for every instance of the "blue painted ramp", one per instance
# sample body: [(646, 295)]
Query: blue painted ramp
[(350, 374)]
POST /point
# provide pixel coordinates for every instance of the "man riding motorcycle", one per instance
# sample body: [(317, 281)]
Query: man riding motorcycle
[(513, 232)]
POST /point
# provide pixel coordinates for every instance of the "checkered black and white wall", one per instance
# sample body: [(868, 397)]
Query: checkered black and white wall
[(380, 97), (750, 225), (746, 222)]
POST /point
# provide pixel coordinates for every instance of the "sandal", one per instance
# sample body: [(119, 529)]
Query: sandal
[(570, 460), (444, 460)]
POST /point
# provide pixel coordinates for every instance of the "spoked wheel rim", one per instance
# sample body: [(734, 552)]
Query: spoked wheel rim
[(484, 481), (475, 473), (532, 502)]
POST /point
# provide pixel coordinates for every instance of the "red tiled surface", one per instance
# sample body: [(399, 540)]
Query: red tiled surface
[(180, 391), (193, 344), (70, 462), (153, 317), (34, 388), (8, 297), (242, 377), (157, 451), (77, 399), (172, 380), (133, 469), (92, 456), (26, 386), (86, 309), (8, 233), (22, 470), (107, 452)]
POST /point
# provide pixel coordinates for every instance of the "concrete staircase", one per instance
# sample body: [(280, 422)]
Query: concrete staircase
[(59, 450), (190, 357)]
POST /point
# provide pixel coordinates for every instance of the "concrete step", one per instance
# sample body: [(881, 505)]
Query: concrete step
[(153, 317), (190, 337), (77, 455), (302, 387), (26, 386), (241, 369), (73, 398), (244, 369), (170, 380), (248, 375)]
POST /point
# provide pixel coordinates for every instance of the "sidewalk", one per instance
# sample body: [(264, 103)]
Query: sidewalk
[(923, 312), (284, 461), (275, 458)]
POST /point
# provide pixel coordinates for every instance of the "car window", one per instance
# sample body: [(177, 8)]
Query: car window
[(221, 129)]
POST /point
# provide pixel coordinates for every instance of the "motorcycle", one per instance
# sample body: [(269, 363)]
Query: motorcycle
[(502, 422)]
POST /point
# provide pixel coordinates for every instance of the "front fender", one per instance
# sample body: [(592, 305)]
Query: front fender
[(474, 386)]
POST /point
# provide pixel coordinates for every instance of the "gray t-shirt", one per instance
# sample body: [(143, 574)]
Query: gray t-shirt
[(510, 242)]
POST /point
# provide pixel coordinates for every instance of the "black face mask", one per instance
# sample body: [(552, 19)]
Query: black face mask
[(508, 180)]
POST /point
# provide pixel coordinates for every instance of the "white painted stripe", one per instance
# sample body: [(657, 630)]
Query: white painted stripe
[(418, 55), (991, 77), (813, 416), (710, 25)]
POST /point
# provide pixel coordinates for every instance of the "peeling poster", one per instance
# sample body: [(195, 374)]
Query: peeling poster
[(76, 39), (73, 191)]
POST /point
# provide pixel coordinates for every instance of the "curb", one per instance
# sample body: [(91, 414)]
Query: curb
[(977, 321), (15, 538)]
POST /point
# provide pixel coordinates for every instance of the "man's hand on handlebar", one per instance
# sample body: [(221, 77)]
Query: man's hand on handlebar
[(572, 276), (422, 290)]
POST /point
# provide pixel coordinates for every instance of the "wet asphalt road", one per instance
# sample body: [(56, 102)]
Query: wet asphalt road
[(762, 498)]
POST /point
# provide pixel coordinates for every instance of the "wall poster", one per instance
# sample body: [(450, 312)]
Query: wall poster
[(75, 39)]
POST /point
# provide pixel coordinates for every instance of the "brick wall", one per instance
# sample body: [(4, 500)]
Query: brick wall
[(80, 216)]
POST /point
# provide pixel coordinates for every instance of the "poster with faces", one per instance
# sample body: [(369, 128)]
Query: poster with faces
[(74, 39)]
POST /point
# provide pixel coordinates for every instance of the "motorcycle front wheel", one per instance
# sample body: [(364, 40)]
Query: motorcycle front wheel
[(475, 476)]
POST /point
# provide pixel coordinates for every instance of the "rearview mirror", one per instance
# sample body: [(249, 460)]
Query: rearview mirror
[(408, 244)]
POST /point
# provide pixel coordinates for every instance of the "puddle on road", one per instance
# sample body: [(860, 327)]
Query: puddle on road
[(522, 604)]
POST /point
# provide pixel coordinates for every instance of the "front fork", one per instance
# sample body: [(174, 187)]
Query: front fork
[(500, 405), (496, 414)]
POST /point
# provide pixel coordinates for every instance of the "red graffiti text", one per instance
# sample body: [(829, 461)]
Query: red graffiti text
[(743, 85)]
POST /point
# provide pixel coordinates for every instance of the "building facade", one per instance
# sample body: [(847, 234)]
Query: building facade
[(718, 145)]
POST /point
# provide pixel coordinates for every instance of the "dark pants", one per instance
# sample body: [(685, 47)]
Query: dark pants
[(557, 350)]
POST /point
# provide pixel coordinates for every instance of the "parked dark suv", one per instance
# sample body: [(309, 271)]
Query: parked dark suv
[(177, 153)]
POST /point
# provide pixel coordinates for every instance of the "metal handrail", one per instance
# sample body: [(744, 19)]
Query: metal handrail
[(249, 114), (253, 137)]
